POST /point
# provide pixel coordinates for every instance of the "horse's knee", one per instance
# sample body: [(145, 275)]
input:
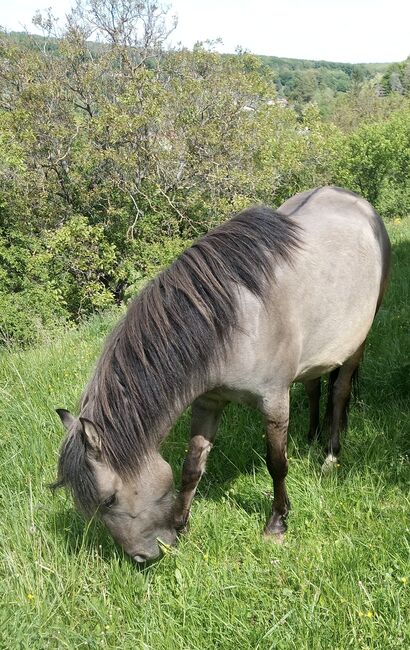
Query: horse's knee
[(276, 456), (277, 459), (195, 461), (191, 480), (277, 419), (191, 472)]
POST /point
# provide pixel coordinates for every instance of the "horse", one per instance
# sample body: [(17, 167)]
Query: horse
[(266, 299)]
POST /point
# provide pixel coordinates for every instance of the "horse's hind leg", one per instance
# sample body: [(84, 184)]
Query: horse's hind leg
[(206, 414), (277, 419), (312, 388), (340, 388)]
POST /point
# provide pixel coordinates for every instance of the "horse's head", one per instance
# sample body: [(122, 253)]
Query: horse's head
[(137, 510)]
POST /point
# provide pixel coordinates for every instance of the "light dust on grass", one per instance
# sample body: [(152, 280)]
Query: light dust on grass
[(340, 580)]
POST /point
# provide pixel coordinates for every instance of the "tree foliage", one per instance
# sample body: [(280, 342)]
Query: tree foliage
[(115, 153), (396, 79), (375, 162)]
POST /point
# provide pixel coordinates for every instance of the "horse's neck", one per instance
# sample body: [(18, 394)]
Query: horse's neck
[(202, 381), (205, 380), (181, 403)]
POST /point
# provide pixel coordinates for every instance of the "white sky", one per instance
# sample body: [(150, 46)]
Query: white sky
[(334, 30)]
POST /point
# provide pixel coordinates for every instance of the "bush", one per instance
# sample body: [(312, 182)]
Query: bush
[(375, 163), (30, 316), (394, 199), (29, 305), (83, 265)]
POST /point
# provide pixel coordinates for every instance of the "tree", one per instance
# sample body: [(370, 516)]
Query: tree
[(395, 83)]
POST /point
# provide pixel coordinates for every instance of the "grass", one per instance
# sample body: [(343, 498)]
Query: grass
[(341, 580)]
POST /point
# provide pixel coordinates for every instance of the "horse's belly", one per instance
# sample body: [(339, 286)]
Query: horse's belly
[(334, 337)]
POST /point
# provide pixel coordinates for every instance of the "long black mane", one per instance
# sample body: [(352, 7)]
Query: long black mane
[(175, 328)]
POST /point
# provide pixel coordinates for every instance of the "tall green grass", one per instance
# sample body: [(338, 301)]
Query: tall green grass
[(341, 579)]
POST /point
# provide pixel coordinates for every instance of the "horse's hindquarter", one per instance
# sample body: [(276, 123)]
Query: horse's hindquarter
[(321, 307)]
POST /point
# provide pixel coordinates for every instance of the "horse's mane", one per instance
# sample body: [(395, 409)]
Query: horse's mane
[(179, 324)]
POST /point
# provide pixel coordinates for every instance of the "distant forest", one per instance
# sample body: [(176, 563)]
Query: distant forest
[(300, 81)]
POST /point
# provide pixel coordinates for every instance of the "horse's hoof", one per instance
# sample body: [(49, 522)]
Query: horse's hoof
[(181, 523), (329, 464), (276, 538), (183, 529), (275, 529)]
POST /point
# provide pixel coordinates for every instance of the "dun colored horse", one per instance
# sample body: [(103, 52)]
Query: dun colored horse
[(264, 300)]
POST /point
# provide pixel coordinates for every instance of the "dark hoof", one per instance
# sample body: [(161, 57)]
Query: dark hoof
[(276, 525), (276, 538), (275, 529), (181, 523)]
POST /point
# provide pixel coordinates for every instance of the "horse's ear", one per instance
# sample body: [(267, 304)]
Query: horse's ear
[(91, 436), (66, 418)]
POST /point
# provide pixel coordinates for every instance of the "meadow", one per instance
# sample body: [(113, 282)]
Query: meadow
[(340, 580)]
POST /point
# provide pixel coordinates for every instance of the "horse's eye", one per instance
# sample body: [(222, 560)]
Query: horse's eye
[(109, 502)]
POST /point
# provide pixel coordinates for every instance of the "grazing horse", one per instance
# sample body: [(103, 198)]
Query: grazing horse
[(263, 300)]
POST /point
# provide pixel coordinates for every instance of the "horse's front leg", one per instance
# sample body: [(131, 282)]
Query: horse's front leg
[(277, 420), (206, 414)]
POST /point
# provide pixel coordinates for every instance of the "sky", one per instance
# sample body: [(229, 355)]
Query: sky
[(351, 31)]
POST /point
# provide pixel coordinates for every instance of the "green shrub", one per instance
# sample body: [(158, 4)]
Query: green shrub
[(154, 256), (30, 316), (376, 161), (83, 265), (29, 304), (394, 199)]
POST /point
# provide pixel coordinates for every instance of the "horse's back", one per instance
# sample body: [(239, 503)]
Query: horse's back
[(343, 219), (330, 204)]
